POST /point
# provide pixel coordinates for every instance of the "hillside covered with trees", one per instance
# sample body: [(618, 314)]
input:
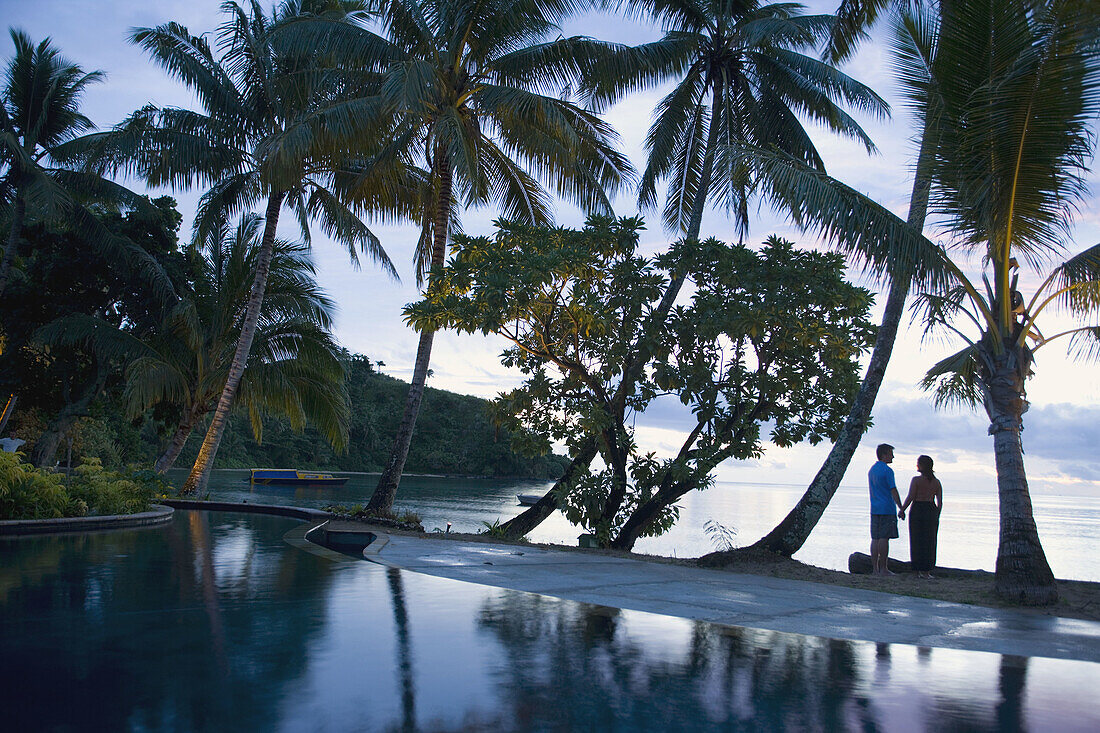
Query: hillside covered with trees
[(455, 435)]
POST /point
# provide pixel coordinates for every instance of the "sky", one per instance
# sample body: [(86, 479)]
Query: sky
[(1062, 428)]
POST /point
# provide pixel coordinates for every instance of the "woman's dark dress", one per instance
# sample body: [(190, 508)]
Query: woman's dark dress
[(924, 523)]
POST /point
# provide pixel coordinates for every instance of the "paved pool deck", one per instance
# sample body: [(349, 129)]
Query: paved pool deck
[(743, 600)]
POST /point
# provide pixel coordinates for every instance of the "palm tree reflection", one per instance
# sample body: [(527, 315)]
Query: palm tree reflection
[(570, 665), (1013, 675), (573, 665), (404, 650)]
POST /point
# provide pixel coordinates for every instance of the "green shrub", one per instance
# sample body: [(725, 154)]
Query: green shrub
[(110, 492), (29, 493)]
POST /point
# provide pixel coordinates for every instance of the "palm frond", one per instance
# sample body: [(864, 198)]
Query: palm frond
[(860, 227), (955, 379), (341, 223)]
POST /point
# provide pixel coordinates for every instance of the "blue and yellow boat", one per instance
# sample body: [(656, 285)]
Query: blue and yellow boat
[(294, 477)]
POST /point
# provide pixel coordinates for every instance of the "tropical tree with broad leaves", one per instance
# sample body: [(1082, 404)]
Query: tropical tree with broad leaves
[(273, 130), (768, 338)]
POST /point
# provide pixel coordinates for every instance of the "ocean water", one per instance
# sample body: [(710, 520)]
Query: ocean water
[(1069, 525)]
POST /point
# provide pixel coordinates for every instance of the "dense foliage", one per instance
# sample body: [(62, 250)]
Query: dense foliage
[(768, 339), (27, 492), (455, 435)]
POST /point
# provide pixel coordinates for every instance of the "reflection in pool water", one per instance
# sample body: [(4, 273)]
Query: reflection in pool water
[(215, 622)]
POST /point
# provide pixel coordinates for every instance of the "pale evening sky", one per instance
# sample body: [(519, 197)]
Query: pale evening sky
[(1062, 428)]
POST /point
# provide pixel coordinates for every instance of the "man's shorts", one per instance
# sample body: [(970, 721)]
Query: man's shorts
[(884, 526)]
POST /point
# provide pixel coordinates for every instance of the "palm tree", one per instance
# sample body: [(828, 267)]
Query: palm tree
[(41, 148), (272, 130), (472, 86), (742, 80), (911, 41), (1012, 142), (40, 109), (294, 367)]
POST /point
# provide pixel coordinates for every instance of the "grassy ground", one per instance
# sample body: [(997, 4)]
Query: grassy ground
[(1077, 599)]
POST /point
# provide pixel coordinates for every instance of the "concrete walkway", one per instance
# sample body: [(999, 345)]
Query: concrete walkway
[(743, 600)]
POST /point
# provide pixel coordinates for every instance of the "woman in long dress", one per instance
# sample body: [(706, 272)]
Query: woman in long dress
[(926, 497)]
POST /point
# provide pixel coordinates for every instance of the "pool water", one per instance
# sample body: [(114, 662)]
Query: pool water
[(216, 622)]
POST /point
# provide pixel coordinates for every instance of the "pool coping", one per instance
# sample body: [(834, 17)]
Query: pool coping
[(282, 510), (161, 513)]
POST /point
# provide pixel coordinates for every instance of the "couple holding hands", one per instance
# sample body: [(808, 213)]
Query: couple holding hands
[(926, 499)]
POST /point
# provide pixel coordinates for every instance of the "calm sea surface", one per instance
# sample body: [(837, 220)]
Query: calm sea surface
[(1069, 526)]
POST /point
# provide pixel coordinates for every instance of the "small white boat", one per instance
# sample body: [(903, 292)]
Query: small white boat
[(528, 499)]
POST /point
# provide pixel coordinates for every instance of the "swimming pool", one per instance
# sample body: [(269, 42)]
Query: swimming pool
[(215, 622)]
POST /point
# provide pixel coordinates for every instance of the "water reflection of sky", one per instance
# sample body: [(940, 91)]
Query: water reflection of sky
[(214, 622)]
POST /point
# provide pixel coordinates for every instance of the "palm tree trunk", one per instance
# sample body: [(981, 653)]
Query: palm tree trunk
[(179, 438), (386, 491), (12, 244), (632, 372), (200, 472), (1022, 574), (791, 533), (9, 409)]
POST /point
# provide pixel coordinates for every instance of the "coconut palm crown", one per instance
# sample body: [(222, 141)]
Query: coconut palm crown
[(473, 90), (42, 144), (743, 77), (272, 131), (1012, 111)]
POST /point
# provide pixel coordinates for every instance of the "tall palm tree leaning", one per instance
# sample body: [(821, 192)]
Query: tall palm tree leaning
[(853, 16), (293, 368), (470, 86), (273, 128), (1013, 144), (742, 80)]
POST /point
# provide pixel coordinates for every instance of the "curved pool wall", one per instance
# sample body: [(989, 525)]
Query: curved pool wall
[(224, 621), (157, 514)]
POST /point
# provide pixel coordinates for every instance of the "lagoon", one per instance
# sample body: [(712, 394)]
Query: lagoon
[(1069, 525)]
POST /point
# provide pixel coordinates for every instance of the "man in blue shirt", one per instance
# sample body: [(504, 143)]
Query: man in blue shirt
[(884, 499)]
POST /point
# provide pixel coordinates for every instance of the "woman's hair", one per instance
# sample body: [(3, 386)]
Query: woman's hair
[(924, 465)]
